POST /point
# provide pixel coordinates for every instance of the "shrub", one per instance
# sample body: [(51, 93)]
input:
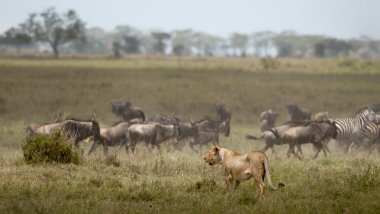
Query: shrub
[(49, 149)]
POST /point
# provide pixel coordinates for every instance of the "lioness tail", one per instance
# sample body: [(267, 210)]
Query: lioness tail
[(266, 165)]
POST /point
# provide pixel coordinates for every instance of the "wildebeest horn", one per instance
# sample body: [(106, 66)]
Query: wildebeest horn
[(93, 116)]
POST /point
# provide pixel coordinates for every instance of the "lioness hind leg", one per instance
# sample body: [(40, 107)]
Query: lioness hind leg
[(235, 184), (260, 184)]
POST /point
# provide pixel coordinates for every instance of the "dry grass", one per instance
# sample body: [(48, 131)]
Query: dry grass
[(166, 182)]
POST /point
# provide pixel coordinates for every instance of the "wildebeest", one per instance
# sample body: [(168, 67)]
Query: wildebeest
[(111, 136), (164, 119), (78, 130), (215, 126), (310, 132), (207, 131), (72, 129), (272, 136), (43, 129), (223, 113), (321, 116), (298, 114), (268, 119), (151, 133), (126, 111), (186, 131)]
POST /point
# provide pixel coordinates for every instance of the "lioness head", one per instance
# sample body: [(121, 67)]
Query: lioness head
[(213, 157)]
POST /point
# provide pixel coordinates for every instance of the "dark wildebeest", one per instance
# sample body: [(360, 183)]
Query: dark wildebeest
[(223, 112), (127, 112), (310, 132), (151, 133), (225, 115), (72, 129), (271, 136), (186, 131), (207, 131), (268, 119), (78, 130), (111, 136), (164, 119), (298, 114)]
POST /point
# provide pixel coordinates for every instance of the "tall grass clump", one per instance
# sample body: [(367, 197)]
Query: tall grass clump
[(49, 149)]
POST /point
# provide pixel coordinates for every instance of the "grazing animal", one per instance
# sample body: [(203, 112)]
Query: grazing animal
[(111, 136), (241, 167), (208, 131), (368, 136), (268, 119), (215, 126), (72, 129), (151, 133), (78, 130), (321, 116), (298, 114), (223, 113), (348, 129), (272, 136), (127, 112), (185, 131), (43, 129), (310, 132), (164, 119)]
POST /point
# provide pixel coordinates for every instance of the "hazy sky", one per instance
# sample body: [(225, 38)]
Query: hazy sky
[(339, 18)]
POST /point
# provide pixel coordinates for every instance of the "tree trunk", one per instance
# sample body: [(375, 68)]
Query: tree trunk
[(55, 50)]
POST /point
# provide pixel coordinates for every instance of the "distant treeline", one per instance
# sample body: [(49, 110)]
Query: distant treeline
[(50, 31)]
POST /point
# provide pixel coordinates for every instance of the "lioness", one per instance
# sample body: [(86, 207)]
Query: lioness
[(241, 167)]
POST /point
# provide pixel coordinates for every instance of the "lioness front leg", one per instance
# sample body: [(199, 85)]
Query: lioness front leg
[(229, 183)]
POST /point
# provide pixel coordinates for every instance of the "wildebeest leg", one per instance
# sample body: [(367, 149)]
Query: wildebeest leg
[(93, 147), (290, 150), (192, 147), (105, 150), (319, 147), (76, 143), (267, 146), (299, 150)]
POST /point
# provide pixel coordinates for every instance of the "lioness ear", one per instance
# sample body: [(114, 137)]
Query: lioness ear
[(216, 149)]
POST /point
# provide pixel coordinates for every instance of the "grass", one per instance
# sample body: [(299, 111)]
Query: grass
[(167, 182)]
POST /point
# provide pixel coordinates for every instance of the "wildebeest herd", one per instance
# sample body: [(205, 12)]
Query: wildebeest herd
[(359, 131), (134, 128)]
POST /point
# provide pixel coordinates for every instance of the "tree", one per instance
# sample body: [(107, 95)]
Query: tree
[(160, 38), (131, 45), (55, 29), (16, 38), (178, 50), (239, 41)]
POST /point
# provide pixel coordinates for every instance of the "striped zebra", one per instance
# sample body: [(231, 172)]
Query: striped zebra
[(348, 130), (370, 136)]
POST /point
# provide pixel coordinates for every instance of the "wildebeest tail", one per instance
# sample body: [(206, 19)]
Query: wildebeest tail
[(251, 137)]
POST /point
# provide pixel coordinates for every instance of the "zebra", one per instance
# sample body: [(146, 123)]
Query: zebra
[(370, 135), (348, 129)]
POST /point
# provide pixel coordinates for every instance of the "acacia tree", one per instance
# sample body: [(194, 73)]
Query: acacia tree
[(15, 37), (55, 29)]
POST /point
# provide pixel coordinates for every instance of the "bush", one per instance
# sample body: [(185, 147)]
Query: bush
[(49, 149)]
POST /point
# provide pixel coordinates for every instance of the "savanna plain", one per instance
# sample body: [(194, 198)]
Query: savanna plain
[(37, 90)]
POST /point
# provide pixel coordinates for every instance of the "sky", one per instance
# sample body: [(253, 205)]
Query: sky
[(338, 18)]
